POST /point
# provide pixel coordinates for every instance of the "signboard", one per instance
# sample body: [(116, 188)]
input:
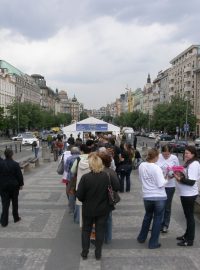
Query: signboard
[(186, 127), (92, 127)]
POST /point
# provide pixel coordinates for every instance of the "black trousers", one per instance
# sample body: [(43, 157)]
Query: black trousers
[(100, 222), (7, 196), (188, 208)]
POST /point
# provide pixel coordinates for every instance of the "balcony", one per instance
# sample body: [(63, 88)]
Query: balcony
[(171, 94), (187, 89), (171, 77), (187, 69), (187, 79)]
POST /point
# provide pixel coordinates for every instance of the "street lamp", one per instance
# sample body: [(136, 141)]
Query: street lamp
[(186, 126), (19, 97)]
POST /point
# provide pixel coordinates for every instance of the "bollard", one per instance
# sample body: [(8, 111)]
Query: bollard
[(146, 144), (6, 147), (15, 148)]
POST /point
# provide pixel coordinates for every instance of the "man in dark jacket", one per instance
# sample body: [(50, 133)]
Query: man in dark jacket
[(11, 181)]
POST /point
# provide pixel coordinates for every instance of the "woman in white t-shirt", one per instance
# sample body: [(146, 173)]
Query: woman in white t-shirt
[(188, 189), (166, 160), (154, 195)]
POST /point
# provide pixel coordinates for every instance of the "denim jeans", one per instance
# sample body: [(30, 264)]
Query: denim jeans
[(153, 210), (167, 212), (188, 208), (71, 204), (77, 214), (108, 229), (36, 150), (125, 175)]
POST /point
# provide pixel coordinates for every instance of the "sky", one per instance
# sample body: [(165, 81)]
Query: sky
[(96, 49)]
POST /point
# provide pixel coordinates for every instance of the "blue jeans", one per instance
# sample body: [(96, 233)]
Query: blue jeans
[(36, 150), (77, 214), (125, 174), (108, 230), (153, 210), (167, 212)]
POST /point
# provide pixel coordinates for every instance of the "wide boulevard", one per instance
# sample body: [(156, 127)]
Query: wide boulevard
[(47, 239)]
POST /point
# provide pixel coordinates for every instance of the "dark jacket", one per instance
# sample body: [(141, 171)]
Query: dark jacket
[(93, 193), (10, 175)]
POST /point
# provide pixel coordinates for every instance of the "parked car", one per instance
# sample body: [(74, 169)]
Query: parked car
[(178, 145), (19, 137), (164, 137), (152, 135), (28, 139), (197, 142)]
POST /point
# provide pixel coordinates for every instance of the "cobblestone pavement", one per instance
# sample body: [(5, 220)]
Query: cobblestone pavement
[(47, 239)]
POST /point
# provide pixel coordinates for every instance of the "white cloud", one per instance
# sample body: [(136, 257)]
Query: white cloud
[(96, 59)]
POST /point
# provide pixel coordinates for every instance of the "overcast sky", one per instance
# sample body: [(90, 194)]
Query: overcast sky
[(95, 48)]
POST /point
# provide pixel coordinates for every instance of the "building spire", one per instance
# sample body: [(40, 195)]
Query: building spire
[(148, 79)]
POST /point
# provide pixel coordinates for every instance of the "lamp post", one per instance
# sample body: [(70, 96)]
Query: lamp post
[(186, 127), (19, 97)]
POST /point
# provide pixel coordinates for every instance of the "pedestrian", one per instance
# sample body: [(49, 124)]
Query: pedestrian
[(36, 147), (125, 167), (79, 169), (188, 189), (157, 142), (154, 196), (93, 192), (107, 160), (71, 141), (11, 181), (135, 142), (165, 161)]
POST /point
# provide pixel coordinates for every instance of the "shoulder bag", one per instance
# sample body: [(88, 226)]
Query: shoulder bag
[(60, 169), (113, 196)]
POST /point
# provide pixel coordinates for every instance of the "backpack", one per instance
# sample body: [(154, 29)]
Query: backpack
[(34, 144)]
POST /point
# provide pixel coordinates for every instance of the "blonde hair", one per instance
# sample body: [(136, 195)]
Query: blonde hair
[(95, 163)]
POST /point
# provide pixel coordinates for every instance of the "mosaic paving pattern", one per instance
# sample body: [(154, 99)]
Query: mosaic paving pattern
[(23, 259)]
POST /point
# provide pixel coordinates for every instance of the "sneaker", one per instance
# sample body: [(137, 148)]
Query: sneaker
[(180, 238), (185, 243), (164, 229)]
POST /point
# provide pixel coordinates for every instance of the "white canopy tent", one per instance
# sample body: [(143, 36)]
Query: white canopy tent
[(92, 125)]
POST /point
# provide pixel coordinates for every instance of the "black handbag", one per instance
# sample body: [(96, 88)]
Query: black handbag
[(113, 196)]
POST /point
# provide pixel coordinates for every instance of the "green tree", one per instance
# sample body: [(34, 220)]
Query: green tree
[(168, 116), (2, 118), (83, 115)]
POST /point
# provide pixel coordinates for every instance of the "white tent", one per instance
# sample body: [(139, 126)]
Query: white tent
[(92, 125)]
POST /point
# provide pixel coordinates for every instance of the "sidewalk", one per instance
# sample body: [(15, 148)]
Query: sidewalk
[(47, 238)]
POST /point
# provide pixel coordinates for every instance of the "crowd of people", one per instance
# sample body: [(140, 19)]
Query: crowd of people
[(91, 166), (88, 169)]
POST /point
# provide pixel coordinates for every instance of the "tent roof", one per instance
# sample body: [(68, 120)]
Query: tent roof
[(92, 121)]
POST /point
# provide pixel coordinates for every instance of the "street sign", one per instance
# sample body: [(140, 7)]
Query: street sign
[(186, 127)]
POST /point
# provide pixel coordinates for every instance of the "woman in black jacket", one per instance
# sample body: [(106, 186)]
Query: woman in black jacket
[(93, 193), (11, 181)]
